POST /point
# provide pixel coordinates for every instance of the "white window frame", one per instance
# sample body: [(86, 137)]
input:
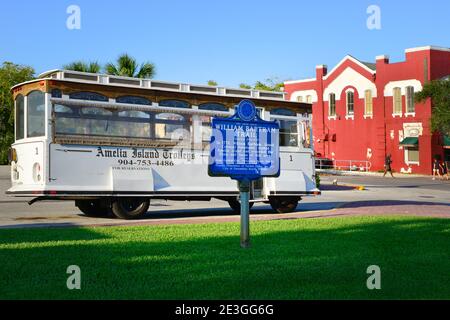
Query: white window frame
[(406, 155), (347, 115), (368, 115), (407, 99), (394, 112), (331, 116)]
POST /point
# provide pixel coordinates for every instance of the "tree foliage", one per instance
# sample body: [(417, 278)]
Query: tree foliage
[(81, 66), (212, 83), (439, 92), (245, 86), (269, 84), (127, 66), (10, 75)]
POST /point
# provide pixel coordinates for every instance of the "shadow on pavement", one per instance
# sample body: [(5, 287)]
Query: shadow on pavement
[(378, 203)]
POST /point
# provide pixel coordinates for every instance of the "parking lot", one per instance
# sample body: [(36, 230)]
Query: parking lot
[(405, 195)]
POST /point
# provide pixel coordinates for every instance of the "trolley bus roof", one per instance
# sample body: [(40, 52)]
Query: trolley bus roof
[(177, 89)]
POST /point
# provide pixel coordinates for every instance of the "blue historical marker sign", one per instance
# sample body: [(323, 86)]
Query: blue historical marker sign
[(244, 147)]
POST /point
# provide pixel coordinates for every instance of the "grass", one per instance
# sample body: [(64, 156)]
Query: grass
[(323, 258)]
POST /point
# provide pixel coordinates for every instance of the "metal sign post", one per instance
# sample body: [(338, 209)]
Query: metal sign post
[(244, 189), (245, 148)]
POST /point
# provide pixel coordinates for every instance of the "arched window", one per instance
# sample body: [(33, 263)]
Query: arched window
[(368, 104), (174, 104), (283, 112), (410, 107), (56, 93), (133, 100), (35, 114), (332, 105), (84, 95), (350, 103), (20, 117), (397, 97), (213, 106)]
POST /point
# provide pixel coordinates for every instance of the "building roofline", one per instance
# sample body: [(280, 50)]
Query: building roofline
[(353, 59), (427, 48), (299, 81)]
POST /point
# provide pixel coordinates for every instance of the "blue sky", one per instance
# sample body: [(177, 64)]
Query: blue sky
[(228, 41)]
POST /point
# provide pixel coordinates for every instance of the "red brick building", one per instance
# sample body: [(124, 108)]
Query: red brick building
[(364, 111)]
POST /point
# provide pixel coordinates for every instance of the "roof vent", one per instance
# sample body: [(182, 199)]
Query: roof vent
[(207, 89), (80, 76), (238, 92), (130, 82), (165, 85), (276, 95)]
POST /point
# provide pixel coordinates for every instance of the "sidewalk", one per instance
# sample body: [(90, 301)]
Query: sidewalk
[(333, 172)]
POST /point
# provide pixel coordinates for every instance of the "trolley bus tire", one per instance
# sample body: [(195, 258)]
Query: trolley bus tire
[(93, 208), (130, 208), (235, 205), (284, 204)]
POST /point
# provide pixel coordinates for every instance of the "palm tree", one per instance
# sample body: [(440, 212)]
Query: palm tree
[(128, 67), (92, 67)]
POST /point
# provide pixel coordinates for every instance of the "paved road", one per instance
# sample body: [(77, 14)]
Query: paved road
[(408, 195)]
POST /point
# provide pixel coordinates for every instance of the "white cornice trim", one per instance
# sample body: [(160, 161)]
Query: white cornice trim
[(299, 81), (427, 48), (349, 57)]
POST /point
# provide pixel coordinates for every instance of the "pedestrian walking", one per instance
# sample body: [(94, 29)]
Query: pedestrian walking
[(444, 165), (387, 166), (436, 166)]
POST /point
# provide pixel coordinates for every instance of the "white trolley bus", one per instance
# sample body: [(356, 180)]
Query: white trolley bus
[(112, 144)]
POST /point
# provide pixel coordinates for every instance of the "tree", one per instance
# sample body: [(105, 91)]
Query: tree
[(92, 67), (439, 92), (270, 84), (128, 67), (212, 83), (10, 75), (245, 86)]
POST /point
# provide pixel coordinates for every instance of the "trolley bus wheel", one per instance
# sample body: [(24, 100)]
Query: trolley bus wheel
[(130, 208), (284, 204), (235, 204), (93, 208)]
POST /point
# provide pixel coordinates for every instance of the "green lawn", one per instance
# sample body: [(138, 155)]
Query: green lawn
[(323, 258)]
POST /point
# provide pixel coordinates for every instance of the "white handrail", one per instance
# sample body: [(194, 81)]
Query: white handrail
[(344, 165)]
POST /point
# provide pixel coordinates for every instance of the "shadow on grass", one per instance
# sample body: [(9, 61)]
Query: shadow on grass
[(377, 203), (31, 235), (301, 259)]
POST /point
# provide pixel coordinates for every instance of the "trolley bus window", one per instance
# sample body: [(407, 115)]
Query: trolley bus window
[(169, 124), (213, 106), (288, 133), (130, 123), (133, 100), (205, 121), (35, 114), (174, 104), (283, 112), (20, 117), (102, 122)]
